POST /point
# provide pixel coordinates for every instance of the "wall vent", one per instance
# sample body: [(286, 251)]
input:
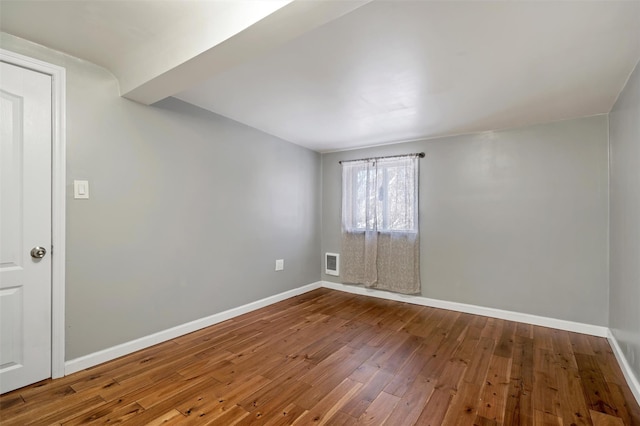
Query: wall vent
[(332, 264)]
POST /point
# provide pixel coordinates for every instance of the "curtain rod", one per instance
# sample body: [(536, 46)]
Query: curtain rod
[(419, 154)]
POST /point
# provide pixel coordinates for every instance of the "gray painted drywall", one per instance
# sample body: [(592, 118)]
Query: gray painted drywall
[(514, 219), (624, 260), (188, 211)]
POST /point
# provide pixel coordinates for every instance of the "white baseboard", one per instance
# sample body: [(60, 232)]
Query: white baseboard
[(577, 327), (594, 330), (631, 378), (114, 352)]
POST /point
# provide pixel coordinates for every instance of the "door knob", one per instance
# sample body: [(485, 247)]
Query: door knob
[(38, 252)]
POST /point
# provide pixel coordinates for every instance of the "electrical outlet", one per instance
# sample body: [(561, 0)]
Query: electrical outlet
[(279, 264)]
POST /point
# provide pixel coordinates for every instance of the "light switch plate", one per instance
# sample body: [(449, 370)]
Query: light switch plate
[(81, 189), (279, 264)]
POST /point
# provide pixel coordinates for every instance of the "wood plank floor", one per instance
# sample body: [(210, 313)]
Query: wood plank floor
[(328, 357)]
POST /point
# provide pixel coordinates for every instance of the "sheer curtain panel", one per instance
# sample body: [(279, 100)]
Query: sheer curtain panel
[(380, 238)]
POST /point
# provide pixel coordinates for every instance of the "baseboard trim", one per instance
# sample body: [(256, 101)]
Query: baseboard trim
[(117, 351), (577, 327), (87, 361), (631, 378)]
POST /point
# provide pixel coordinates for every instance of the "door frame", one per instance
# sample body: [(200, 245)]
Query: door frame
[(58, 199)]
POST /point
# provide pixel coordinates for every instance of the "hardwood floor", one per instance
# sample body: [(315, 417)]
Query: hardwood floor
[(328, 357)]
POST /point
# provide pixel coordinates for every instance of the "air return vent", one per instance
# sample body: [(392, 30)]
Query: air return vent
[(332, 264)]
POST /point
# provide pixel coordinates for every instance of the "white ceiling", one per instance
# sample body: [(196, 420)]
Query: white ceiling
[(333, 75)]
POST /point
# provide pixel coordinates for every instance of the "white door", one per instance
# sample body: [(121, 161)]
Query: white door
[(25, 224)]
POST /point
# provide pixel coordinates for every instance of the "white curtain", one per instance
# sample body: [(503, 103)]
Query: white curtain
[(380, 239)]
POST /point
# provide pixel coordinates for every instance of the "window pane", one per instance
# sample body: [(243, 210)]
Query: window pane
[(360, 216), (399, 200), (380, 195)]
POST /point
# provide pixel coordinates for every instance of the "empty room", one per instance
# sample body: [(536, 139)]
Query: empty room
[(278, 212)]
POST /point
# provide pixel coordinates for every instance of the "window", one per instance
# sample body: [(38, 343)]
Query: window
[(380, 195), (380, 240)]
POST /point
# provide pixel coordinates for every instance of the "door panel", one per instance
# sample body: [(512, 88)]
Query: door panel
[(25, 222)]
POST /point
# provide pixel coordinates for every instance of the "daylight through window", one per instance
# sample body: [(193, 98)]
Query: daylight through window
[(380, 195)]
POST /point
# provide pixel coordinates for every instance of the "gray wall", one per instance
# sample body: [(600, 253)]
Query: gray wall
[(513, 219), (187, 215), (189, 210), (624, 293)]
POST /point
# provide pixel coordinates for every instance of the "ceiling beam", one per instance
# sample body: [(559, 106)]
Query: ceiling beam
[(284, 24)]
